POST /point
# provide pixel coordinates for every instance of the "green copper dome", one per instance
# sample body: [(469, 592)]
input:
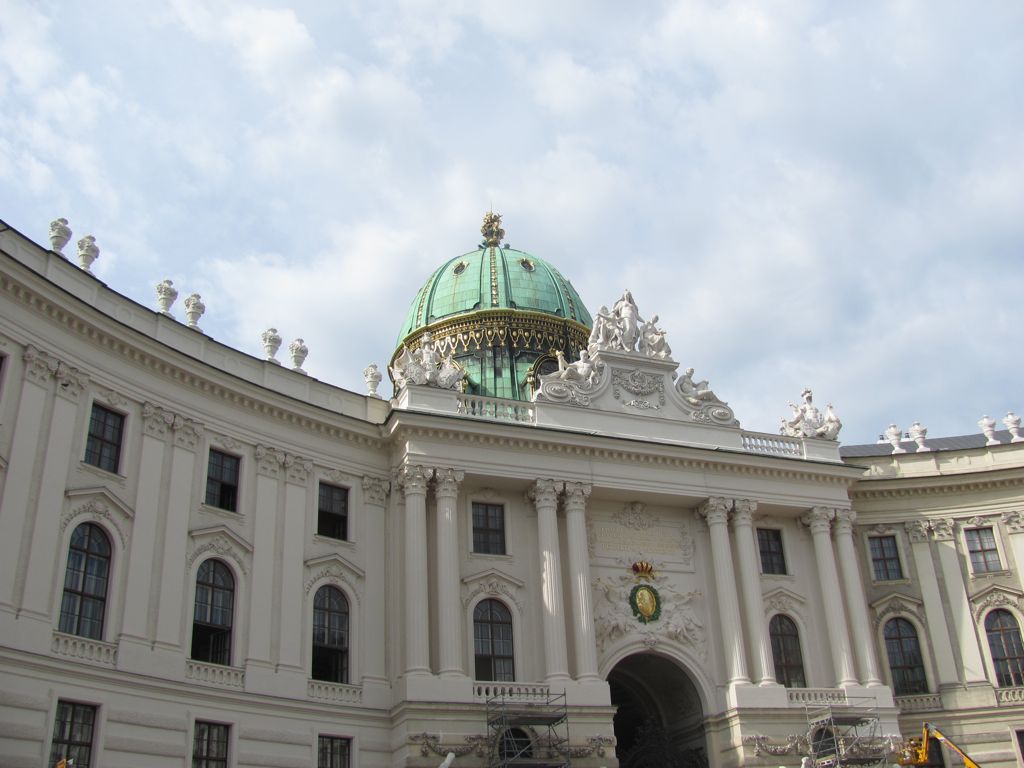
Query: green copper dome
[(500, 313)]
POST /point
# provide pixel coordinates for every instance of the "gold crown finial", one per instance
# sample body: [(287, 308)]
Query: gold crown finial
[(491, 230), (643, 569)]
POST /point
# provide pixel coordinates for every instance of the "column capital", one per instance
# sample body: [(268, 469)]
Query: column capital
[(375, 489), (917, 530), (545, 492), (943, 530), (819, 519), (448, 482), (845, 518), (269, 461), (413, 478), (576, 495), (743, 511), (1014, 521), (715, 510)]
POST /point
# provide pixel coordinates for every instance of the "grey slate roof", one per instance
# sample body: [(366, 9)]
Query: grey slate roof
[(956, 443)]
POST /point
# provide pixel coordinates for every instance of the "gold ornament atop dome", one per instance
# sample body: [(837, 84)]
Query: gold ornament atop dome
[(491, 229)]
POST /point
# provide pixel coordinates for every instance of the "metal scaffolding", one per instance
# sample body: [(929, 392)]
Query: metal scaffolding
[(532, 733), (846, 736)]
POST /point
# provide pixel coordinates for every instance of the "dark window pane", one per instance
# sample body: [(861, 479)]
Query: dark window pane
[(885, 559), (210, 745), (222, 481), (769, 541), (72, 734), (786, 654), (330, 635), (332, 512), (1004, 641), (489, 528), (333, 752), (103, 443), (492, 642), (905, 660), (981, 545), (213, 612), (85, 583)]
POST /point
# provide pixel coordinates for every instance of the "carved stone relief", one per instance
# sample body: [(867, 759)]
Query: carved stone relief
[(96, 509)]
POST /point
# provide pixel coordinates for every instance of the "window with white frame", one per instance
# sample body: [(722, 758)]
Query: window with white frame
[(332, 512), (492, 641), (488, 528), (905, 661), (214, 613), (786, 655), (330, 635), (981, 546), (222, 480), (1004, 642), (773, 557)]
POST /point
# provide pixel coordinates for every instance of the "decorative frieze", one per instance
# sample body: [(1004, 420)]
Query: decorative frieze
[(40, 367), (269, 461)]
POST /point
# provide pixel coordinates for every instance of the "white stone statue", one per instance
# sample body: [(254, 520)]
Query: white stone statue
[(693, 391), (448, 760), (808, 421), (894, 434), (623, 330), (372, 376), (1012, 422), (166, 295), (652, 340), (988, 428), (583, 370), (425, 366), (194, 309), (88, 252), (298, 351), (271, 341), (572, 383), (918, 434), (60, 233)]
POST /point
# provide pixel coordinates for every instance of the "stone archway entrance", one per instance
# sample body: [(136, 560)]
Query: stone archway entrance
[(659, 722)]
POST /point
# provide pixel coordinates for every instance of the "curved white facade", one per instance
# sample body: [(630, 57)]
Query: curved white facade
[(566, 499)]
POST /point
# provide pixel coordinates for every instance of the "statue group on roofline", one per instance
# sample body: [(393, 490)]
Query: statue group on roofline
[(623, 330), (808, 421), (425, 366)]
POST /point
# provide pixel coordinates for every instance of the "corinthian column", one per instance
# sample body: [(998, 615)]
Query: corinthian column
[(753, 604), (819, 520), (854, 588), (716, 512), (579, 578), (448, 611), (545, 497), (414, 481)]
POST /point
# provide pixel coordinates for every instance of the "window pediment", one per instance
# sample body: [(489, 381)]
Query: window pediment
[(335, 569), (996, 596), (782, 600), (492, 583), (220, 540), (99, 504), (897, 605)]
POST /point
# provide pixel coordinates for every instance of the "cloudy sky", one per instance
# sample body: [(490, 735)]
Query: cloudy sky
[(807, 193)]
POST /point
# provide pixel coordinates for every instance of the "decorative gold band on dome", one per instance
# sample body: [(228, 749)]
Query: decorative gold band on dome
[(485, 328)]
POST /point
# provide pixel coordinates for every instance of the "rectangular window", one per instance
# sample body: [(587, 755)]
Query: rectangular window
[(489, 528), (103, 445), (773, 559), (73, 733), (332, 512), (333, 752), (210, 745), (981, 544), (885, 558), (222, 481)]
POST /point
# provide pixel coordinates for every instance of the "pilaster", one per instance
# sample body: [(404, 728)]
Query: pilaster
[(944, 532), (584, 638), (413, 479), (449, 612), (375, 494), (938, 630), (545, 497)]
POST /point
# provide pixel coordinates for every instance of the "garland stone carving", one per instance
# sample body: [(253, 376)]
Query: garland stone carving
[(997, 598), (95, 509), (808, 421), (494, 588), (425, 366), (220, 545), (636, 382), (336, 575)]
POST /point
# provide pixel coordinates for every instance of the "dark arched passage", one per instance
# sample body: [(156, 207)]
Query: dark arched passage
[(659, 721)]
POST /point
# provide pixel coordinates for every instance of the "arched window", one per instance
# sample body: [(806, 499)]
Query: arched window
[(212, 619), (330, 635), (905, 661), (515, 745), (789, 661), (1007, 650), (492, 641), (85, 582)]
